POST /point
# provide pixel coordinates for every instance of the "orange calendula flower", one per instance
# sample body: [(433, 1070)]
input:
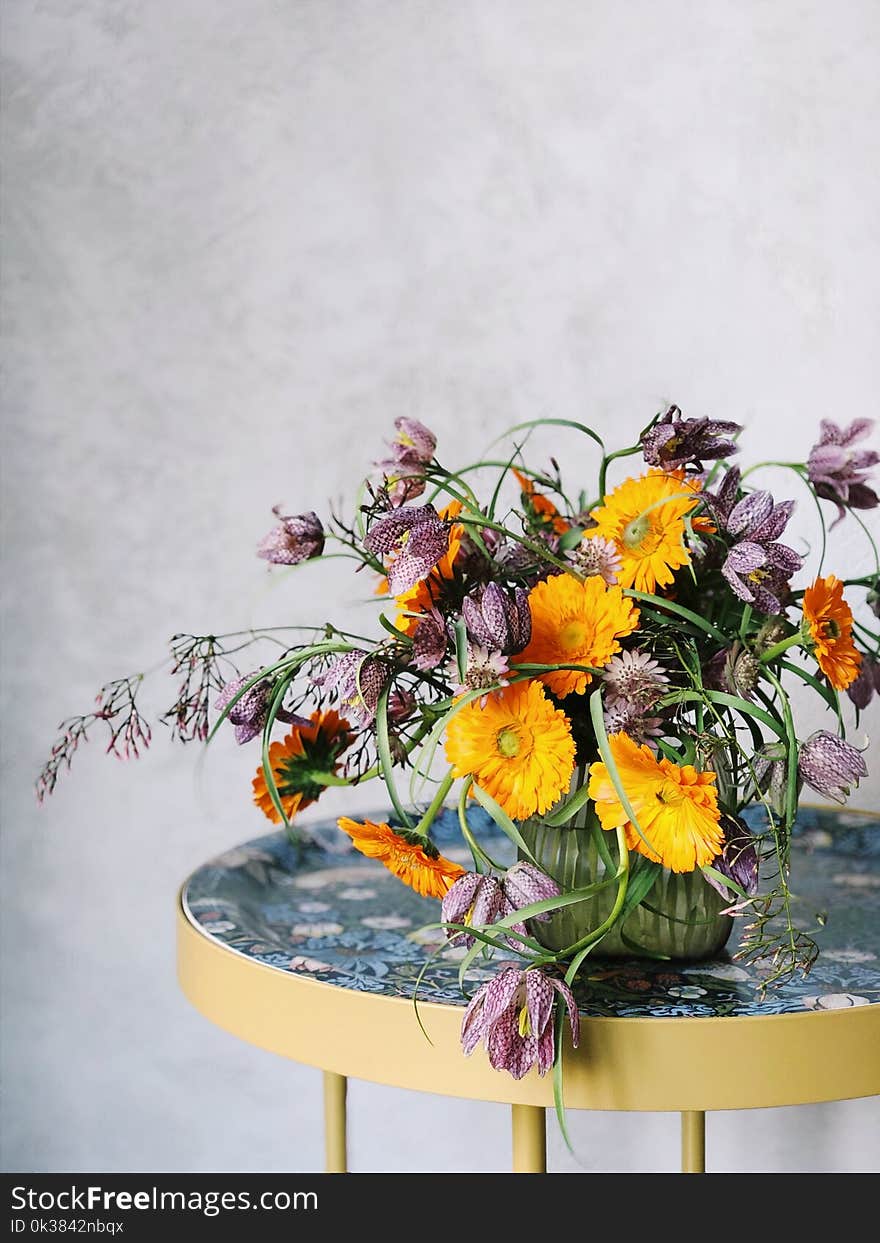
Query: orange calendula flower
[(576, 623), (517, 746), (644, 517), (830, 620), (309, 749), (411, 858), (541, 506), (422, 597), (676, 807)]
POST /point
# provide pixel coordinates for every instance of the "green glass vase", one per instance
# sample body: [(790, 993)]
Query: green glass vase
[(681, 917)]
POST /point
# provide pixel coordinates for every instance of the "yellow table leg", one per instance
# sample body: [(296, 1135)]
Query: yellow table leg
[(334, 1123), (529, 1139), (693, 1141)]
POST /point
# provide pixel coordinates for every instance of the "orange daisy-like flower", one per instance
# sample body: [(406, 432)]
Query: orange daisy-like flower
[(540, 506), (306, 751), (411, 858), (644, 517), (576, 623), (517, 746), (422, 597), (830, 620), (676, 807)]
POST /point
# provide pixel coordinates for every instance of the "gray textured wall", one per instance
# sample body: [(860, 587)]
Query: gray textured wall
[(241, 236)]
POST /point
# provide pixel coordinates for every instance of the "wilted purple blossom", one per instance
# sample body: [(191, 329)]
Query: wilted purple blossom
[(757, 566), (837, 471), (414, 538), (512, 1015), (738, 859), (734, 669), (830, 766), (249, 713), (410, 453), (497, 619), (770, 768), (636, 678), (298, 537), (674, 442), (597, 555), (862, 691), (358, 680), (473, 899)]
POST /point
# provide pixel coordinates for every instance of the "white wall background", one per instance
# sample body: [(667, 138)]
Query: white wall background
[(241, 236)]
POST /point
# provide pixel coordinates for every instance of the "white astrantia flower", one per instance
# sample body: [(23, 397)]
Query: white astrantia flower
[(636, 678)]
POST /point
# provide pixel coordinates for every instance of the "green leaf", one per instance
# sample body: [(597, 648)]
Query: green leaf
[(503, 821), (558, 1092), (386, 763), (679, 610), (578, 427), (461, 648), (743, 706), (570, 538), (567, 809), (708, 870)]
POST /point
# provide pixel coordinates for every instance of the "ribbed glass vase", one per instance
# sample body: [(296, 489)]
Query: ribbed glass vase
[(682, 918)]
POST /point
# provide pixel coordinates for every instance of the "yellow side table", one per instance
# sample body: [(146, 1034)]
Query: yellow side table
[(298, 951)]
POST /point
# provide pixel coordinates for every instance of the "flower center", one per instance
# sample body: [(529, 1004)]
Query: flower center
[(572, 636), (635, 531), (508, 743), (524, 1024), (830, 629)]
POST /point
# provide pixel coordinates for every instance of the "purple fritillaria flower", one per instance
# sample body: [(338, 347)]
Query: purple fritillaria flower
[(770, 767), (512, 1015), (249, 714), (837, 471), (734, 669), (624, 717), (411, 451), (674, 442), (830, 766), (415, 538), (738, 860), (862, 691), (430, 641), (473, 899), (298, 537), (757, 566), (522, 885), (498, 620), (358, 680)]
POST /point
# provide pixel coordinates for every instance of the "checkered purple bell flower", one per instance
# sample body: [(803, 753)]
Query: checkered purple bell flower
[(473, 899), (248, 714), (298, 537), (498, 620), (831, 766), (414, 538), (837, 471), (358, 680), (674, 441), (513, 1017)]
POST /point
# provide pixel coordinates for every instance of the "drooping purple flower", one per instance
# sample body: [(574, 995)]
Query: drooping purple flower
[(830, 766), (498, 620), (401, 705), (410, 453), (738, 859), (522, 885), (757, 566), (674, 442), (249, 714), (430, 640), (770, 769), (635, 678), (837, 471), (298, 537), (358, 680), (862, 691), (512, 1015), (414, 538), (597, 555), (473, 899)]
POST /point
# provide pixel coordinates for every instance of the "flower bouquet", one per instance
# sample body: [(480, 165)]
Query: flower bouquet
[(603, 672)]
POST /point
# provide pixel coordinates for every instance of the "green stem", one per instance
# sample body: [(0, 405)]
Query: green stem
[(606, 462), (778, 648), (436, 803), (598, 933)]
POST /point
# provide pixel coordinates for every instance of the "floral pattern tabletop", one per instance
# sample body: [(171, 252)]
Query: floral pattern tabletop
[(323, 911)]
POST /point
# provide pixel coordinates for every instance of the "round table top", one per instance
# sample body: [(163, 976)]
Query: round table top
[(285, 945)]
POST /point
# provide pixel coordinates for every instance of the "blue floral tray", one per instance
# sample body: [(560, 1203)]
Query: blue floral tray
[(326, 911)]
